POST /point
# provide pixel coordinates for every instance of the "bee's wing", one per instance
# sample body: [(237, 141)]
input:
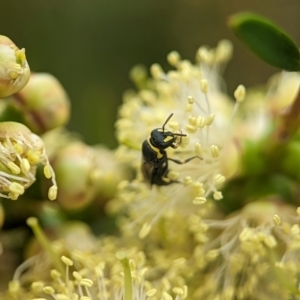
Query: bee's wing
[(147, 171)]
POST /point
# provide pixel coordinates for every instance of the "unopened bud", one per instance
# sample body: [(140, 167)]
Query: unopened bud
[(43, 103), (14, 69)]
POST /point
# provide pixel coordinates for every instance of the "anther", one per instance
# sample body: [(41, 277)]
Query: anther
[(86, 282), (77, 275), (151, 292), (33, 156), (67, 261), (204, 86), (239, 93), (173, 58), (16, 188), (37, 286), (198, 149), (52, 192), (55, 274), (270, 241), (200, 122), (218, 195), (13, 196), (214, 151), (144, 231), (245, 234), (277, 220), (209, 119), (49, 290), (223, 51), (190, 128), (25, 166), (219, 178), (212, 254), (47, 171), (18, 148), (190, 100), (156, 71), (187, 180), (192, 120), (199, 200), (13, 167), (295, 229)]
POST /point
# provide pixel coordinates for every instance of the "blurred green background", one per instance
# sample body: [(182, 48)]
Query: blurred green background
[(90, 45)]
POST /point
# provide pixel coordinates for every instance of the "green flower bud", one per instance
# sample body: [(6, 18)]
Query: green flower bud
[(84, 173), (20, 153), (108, 172), (44, 104), (291, 159), (14, 69), (74, 168)]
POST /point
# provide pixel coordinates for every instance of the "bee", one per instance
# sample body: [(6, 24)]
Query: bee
[(155, 159)]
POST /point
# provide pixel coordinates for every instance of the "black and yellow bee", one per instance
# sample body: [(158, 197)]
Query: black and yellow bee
[(155, 159)]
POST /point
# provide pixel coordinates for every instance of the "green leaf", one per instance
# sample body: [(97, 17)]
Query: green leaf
[(266, 40)]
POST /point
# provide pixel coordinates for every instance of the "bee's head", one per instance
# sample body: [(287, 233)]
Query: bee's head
[(158, 136)]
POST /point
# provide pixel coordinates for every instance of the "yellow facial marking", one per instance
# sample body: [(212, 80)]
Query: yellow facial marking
[(156, 150)]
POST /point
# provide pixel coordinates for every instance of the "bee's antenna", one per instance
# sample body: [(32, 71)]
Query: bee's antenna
[(179, 134), (169, 117)]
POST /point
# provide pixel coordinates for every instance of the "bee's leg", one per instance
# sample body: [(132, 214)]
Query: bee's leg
[(180, 162)]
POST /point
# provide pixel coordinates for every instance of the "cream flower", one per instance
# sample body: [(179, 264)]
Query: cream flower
[(193, 93), (264, 105), (101, 271), (20, 153), (253, 254)]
